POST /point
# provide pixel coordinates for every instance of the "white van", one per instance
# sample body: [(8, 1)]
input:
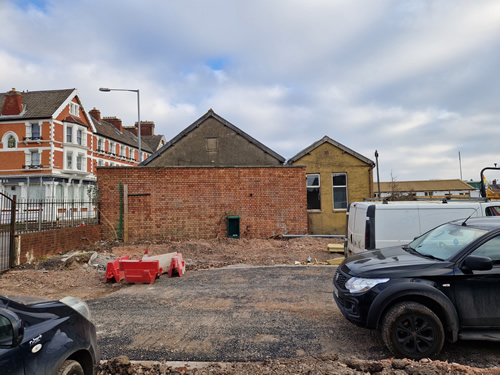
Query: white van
[(373, 225)]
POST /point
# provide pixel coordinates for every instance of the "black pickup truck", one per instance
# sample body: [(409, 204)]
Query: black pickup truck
[(443, 285)]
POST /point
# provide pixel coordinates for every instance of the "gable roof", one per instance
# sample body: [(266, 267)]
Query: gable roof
[(425, 185), (327, 139), (153, 141), (194, 125), (39, 104), (107, 130)]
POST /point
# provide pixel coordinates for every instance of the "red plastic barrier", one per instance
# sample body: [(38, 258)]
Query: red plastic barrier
[(113, 270), (177, 265), (140, 271)]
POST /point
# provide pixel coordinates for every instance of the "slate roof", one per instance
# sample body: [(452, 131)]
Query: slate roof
[(107, 130), (425, 185), (327, 139), (198, 122), (153, 141), (39, 104)]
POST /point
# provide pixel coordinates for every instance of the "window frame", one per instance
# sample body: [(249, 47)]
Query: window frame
[(69, 134), (334, 187), (79, 137), (69, 160), (318, 187)]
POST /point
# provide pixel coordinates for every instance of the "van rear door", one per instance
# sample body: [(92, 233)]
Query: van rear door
[(356, 228)]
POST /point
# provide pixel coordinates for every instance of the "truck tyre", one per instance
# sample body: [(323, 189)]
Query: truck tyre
[(411, 330), (70, 368)]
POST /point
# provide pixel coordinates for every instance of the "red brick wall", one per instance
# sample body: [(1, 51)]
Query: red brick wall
[(40, 244), (194, 202)]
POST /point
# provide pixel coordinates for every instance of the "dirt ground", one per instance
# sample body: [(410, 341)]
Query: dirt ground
[(83, 277), (81, 273)]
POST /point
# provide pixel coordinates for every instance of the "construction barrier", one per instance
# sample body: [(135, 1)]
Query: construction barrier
[(177, 265), (113, 270), (140, 271)]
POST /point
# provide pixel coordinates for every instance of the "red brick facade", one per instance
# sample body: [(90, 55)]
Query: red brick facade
[(194, 202), (39, 244)]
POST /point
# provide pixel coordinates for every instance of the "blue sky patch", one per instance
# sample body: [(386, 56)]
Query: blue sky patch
[(25, 4)]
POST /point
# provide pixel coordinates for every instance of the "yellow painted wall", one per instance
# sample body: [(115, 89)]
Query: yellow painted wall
[(327, 159)]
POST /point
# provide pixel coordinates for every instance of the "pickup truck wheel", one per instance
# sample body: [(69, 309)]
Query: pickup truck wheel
[(70, 368), (411, 330)]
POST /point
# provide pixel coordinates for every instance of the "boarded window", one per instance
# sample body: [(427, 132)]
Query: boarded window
[(211, 144)]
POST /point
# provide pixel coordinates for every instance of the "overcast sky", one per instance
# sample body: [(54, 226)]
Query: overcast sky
[(417, 80)]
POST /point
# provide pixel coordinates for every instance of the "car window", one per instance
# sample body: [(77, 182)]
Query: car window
[(445, 241), (490, 249), (6, 334)]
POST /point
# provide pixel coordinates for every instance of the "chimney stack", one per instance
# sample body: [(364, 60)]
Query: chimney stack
[(13, 104), (147, 128), (131, 129), (95, 113), (116, 122)]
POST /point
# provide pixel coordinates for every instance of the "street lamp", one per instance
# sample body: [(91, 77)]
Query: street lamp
[(105, 89)]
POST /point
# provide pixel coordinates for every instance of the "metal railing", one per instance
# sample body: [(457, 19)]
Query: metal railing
[(42, 215)]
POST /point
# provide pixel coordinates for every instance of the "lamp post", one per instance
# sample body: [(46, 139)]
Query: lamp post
[(378, 176), (105, 89)]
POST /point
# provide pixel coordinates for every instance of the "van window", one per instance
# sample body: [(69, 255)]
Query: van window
[(492, 211), (313, 192)]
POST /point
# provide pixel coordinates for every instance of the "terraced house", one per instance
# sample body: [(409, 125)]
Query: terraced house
[(50, 146)]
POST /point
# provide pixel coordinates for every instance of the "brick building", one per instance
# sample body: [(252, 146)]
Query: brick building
[(50, 145)]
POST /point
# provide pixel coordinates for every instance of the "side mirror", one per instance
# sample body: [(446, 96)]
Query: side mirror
[(478, 263), (11, 329)]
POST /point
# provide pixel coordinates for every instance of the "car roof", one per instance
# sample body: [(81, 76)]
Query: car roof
[(488, 223)]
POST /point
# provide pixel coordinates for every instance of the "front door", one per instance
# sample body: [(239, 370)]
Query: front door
[(477, 295)]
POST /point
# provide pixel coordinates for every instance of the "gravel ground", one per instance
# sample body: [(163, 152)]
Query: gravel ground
[(81, 276)]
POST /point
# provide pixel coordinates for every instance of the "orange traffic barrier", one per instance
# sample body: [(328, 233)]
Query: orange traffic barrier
[(113, 270), (140, 271)]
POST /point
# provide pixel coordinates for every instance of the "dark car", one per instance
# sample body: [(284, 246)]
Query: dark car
[(443, 285), (43, 337)]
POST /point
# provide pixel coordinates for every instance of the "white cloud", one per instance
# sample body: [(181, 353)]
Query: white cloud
[(416, 80)]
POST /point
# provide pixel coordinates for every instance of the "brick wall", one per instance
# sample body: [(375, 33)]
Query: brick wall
[(194, 202), (41, 244)]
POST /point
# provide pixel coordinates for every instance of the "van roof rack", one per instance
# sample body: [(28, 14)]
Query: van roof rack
[(429, 199)]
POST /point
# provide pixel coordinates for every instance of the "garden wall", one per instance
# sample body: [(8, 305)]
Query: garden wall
[(32, 246)]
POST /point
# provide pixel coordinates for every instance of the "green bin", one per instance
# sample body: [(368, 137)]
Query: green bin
[(233, 226)]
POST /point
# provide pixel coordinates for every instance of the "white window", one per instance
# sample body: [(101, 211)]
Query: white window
[(79, 136), (69, 134), (99, 145), (74, 109), (313, 192), (339, 181), (33, 131), (100, 162), (69, 160), (79, 162), (122, 151), (33, 159)]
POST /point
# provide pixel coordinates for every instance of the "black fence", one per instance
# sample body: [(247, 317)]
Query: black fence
[(43, 215)]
